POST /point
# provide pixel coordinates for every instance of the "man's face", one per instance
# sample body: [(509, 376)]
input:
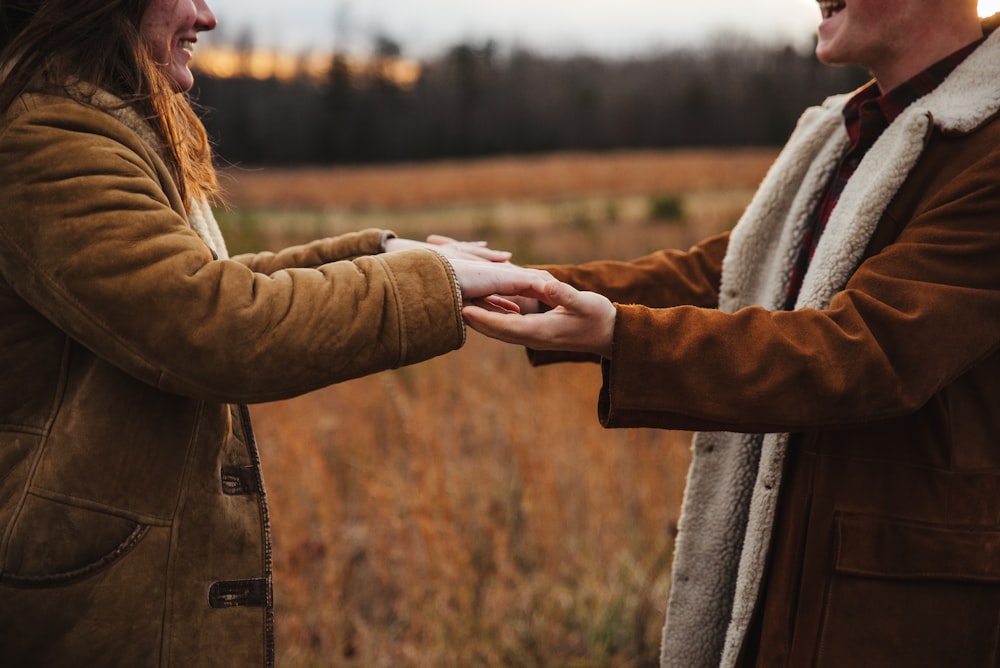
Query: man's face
[(864, 32), (894, 39)]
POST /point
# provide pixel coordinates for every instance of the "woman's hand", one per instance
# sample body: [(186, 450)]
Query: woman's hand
[(451, 248), (578, 322), (498, 284)]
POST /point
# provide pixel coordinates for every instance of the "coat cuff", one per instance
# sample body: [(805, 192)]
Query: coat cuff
[(626, 376), (428, 302)]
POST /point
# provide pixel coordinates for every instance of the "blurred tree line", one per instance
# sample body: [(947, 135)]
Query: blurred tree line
[(474, 100)]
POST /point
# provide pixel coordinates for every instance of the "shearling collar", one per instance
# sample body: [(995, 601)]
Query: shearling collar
[(734, 480), (199, 212)]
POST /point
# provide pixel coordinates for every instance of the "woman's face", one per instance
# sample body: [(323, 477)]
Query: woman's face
[(170, 29)]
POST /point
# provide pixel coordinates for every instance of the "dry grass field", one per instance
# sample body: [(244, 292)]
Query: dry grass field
[(470, 511)]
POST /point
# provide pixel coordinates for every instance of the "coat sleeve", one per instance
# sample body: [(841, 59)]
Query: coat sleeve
[(90, 240), (911, 319), (662, 279), (349, 246)]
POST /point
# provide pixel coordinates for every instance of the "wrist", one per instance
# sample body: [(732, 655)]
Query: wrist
[(608, 340), (383, 240)]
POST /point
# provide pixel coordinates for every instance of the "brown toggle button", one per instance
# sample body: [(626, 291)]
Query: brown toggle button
[(235, 593), (239, 480)]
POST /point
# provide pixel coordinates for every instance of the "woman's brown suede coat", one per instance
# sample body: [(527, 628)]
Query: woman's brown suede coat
[(133, 523), (876, 541)]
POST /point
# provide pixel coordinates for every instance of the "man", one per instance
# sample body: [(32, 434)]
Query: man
[(839, 352)]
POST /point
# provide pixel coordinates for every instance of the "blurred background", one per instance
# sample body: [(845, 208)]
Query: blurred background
[(470, 511), (307, 81)]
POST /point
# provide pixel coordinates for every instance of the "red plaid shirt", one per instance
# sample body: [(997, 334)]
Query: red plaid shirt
[(866, 116)]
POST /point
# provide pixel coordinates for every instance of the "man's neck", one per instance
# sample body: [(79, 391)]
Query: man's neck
[(924, 49)]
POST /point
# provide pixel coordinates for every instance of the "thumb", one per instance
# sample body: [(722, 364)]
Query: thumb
[(558, 293)]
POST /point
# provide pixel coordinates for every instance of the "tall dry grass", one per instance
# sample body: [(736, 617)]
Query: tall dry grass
[(470, 511), (410, 186)]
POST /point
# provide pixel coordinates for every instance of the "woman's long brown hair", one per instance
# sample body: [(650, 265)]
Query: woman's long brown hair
[(98, 42)]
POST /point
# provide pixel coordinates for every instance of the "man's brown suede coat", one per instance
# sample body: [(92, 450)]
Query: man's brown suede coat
[(133, 524), (876, 540)]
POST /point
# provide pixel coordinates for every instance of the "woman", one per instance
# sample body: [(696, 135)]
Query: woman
[(133, 523)]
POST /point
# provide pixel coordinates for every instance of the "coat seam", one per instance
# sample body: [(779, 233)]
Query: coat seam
[(87, 504), (57, 401), (265, 524), (77, 574), (167, 628), (400, 312)]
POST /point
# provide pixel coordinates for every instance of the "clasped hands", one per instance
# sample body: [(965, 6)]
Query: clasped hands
[(505, 301)]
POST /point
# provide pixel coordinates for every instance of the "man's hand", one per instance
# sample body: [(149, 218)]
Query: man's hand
[(578, 322)]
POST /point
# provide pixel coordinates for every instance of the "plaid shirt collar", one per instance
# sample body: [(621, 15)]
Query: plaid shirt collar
[(870, 112), (866, 116)]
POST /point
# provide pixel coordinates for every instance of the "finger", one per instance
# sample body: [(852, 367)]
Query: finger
[(533, 290), (496, 304), (483, 253), (490, 323), (556, 293), (507, 305), (525, 304), (440, 239)]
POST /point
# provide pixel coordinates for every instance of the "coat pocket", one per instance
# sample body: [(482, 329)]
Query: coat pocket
[(55, 543), (911, 594)]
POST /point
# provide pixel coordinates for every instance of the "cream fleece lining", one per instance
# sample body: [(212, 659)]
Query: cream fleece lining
[(199, 215), (728, 511)]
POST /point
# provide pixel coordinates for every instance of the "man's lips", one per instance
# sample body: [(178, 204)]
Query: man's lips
[(830, 7)]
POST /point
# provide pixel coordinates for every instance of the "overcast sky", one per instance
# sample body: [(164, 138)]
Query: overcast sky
[(604, 27), (425, 27)]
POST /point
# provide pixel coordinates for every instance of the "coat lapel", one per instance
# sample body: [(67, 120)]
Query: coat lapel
[(728, 512)]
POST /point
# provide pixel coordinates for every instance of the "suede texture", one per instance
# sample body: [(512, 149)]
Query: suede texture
[(133, 522), (870, 536)]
